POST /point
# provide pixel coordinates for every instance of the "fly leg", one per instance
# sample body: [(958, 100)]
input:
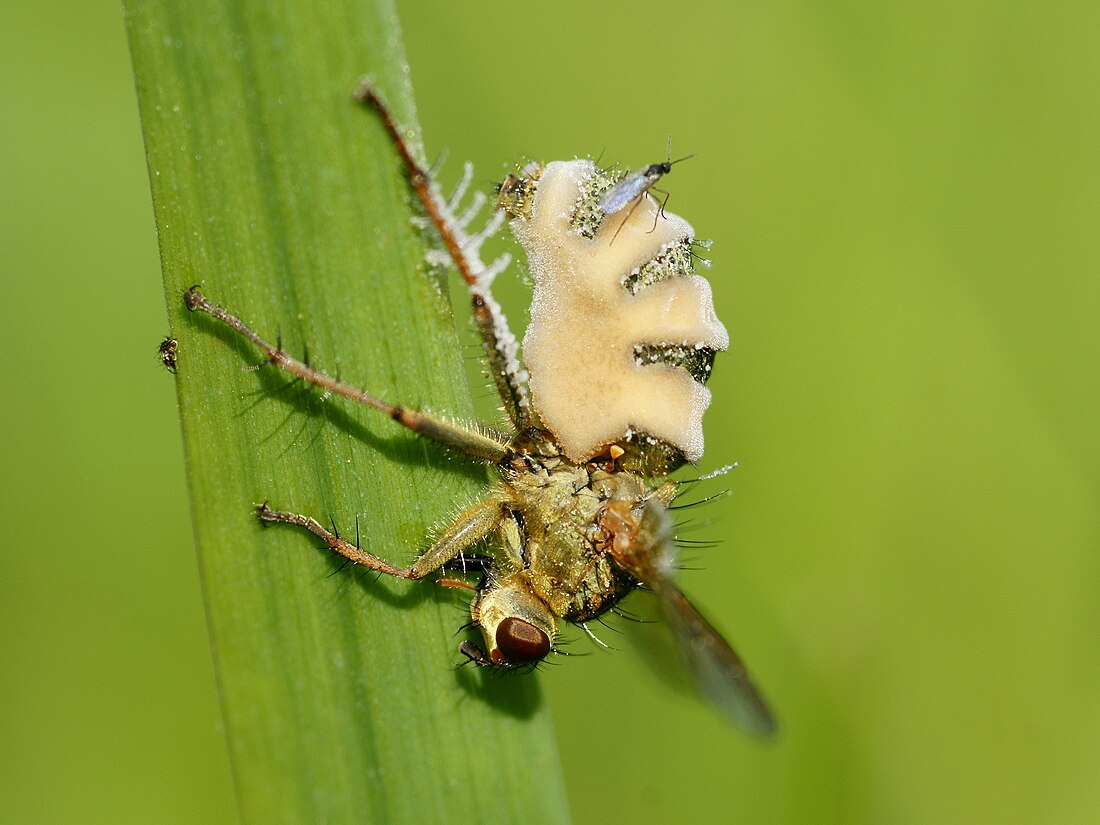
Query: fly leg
[(471, 442), (660, 208), (470, 527), (464, 249), (633, 206)]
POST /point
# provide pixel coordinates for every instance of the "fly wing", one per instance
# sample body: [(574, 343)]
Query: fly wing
[(719, 673), (623, 192)]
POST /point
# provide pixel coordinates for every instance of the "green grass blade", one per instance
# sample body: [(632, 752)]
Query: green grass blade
[(284, 200)]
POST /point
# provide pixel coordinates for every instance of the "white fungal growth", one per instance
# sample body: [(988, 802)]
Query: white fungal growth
[(469, 248), (587, 383)]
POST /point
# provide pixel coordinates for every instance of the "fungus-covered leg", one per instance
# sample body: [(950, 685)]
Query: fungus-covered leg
[(471, 442), (467, 529), (464, 249)]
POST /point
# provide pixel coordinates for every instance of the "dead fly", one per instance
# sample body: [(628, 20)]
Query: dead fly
[(634, 185), (167, 351), (609, 401)]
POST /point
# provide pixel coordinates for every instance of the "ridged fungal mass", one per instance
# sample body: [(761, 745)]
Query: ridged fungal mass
[(623, 332)]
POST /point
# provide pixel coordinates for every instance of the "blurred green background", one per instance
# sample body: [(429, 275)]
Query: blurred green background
[(904, 201)]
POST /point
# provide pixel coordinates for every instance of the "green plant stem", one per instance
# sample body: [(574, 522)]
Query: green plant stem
[(284, 200)]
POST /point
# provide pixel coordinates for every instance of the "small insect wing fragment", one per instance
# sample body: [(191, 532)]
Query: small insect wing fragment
[(626, 190)]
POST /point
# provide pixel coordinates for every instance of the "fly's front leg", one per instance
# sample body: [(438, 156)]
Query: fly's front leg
[(470, 527), (471, 442)]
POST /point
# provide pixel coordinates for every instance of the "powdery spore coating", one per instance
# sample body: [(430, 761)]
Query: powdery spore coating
[(585, 382)]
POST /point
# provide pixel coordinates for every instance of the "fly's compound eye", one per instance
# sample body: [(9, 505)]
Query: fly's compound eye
[(520, 641)]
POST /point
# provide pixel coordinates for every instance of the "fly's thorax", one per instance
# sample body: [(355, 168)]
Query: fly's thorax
[(623, 332), (557, 504), (564, 550)]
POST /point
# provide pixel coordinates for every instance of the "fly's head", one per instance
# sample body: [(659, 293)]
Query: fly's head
[(655, 171), (517, 626)]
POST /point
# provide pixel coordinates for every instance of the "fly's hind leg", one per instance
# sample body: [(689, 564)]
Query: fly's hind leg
[(470, 527)]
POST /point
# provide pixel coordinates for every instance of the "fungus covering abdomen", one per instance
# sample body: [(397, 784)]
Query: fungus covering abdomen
[(622, 331)]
